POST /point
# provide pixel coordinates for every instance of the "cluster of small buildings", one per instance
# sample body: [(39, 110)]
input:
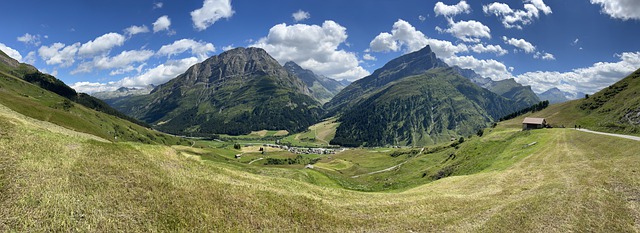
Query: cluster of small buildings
[(302, 150)]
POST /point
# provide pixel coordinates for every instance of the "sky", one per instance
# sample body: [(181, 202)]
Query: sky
[(578, 46)]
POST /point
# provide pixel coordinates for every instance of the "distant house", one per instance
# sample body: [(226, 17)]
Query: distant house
[(533, 123)]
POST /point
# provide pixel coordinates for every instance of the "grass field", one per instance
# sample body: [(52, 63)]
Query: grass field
[(318, 135), (55, 179)]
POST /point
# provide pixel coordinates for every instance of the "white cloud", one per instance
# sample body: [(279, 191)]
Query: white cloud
[(422, 18), (588, 80), (161, 24), (11, 52), (467, 31), (517, 18), (101, 44), (158, 5), (300, 15), (497, 49), (211, 11), (313, 47), (228, 47), (575, 42), (368, 57), (30, 58), (157, 75), (198, 48), (620, 9), (451, 10), (30, 39), (544, 56), (486, 68), (122, 60), (136, 30), (405, 37), (520, 43), (128, 69), (59, 53)]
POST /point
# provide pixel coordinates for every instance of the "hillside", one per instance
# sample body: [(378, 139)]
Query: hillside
[(421, 110), (322, 88), (236, 92), (613, 109), (407, 65), (54, 179), (46, 98)]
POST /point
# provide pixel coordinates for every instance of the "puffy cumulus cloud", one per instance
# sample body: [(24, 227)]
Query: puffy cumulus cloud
[(451, 10), (620, 9), (520, 43), (467, 31), (157, 75), (59, 53), (544, 56), (29, 39), (162, 24), (11, 52), (405, 37), (497, 49), (136, 30), (30, 58), (211, 11), (588, 80), (128, 69), (198, 48), (369, 57), (122, 60), (313, 47), (300, 15), (517, 18), (486, 68), (101, 44)]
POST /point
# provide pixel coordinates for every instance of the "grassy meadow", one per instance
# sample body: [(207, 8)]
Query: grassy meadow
[(56, 179)]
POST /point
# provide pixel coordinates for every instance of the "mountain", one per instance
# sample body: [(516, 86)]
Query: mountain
[(415, 99), (554, 95), (345, 82), (236, 92), (410, 64), (122, 94), (322, 88), (29, 92), (508, 88)]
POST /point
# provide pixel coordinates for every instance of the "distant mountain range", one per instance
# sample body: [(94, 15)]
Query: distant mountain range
[(554, 95), (322, 88)]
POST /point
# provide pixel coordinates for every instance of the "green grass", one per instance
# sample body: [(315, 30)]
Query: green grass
[(55, 179), (318, 135)]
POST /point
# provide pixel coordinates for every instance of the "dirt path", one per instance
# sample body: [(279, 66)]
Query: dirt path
[(612, 134), (383, 170), (258, 159)]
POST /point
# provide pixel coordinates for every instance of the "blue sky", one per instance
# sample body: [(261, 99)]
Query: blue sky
[(575, 45)]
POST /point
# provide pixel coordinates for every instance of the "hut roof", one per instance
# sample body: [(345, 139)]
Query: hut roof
[(533, 120)]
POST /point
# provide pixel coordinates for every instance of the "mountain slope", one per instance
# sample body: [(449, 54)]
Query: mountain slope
[(410, 64), (423, 109), (508, 88), (322, 88), (236, 92), (122, 93), (44, 105)]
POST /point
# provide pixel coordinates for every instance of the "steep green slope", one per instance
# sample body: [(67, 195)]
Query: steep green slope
[(236, 92), (418, 110), (407, 65)]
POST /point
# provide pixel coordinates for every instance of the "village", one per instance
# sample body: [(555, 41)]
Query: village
[(303, 150)]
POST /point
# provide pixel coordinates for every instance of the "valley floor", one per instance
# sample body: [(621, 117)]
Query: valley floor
[(58, 180)]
